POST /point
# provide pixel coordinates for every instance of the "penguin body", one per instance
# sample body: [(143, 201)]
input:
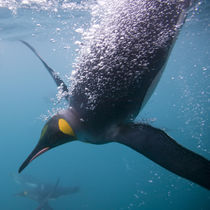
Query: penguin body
[(129, 50)]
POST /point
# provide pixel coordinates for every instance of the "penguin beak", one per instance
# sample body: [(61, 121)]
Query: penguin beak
[(38, 150), (56, 131)]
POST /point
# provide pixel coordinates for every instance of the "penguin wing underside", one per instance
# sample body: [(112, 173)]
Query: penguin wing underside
[(156, 145)]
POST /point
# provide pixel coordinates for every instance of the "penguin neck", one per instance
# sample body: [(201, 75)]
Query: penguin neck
[(72, 117)]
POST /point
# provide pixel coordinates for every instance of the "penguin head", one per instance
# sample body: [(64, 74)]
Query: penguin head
[(56, 131), (22, 194)]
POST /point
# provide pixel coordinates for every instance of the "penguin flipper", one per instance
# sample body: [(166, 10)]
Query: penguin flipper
[(44, 203), (59, 82), (156, 145)]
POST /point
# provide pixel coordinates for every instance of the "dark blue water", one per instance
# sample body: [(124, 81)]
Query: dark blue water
[(112, 176)]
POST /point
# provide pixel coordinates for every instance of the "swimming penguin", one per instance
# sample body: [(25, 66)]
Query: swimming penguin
[(42, 192), (118, 67), (41, 195)]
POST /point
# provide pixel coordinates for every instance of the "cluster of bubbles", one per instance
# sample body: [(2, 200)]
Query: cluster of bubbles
[(117, 49)]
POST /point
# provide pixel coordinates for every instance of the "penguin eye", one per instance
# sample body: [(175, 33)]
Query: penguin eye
[(65, 128), (44, 130)]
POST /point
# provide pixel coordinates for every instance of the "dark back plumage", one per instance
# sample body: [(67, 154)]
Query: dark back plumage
[(122, 56)]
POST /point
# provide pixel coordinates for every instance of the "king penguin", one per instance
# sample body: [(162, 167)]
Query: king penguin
[(117, 69)]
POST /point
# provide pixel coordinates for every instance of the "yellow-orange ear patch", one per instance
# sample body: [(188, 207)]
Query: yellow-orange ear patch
[(65, 127)]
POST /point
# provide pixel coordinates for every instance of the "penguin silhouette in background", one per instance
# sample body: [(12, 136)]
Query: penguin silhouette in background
[(116, 72), (42, 192)]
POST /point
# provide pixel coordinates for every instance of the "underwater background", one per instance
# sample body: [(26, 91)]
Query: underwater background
[(112, 176)]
